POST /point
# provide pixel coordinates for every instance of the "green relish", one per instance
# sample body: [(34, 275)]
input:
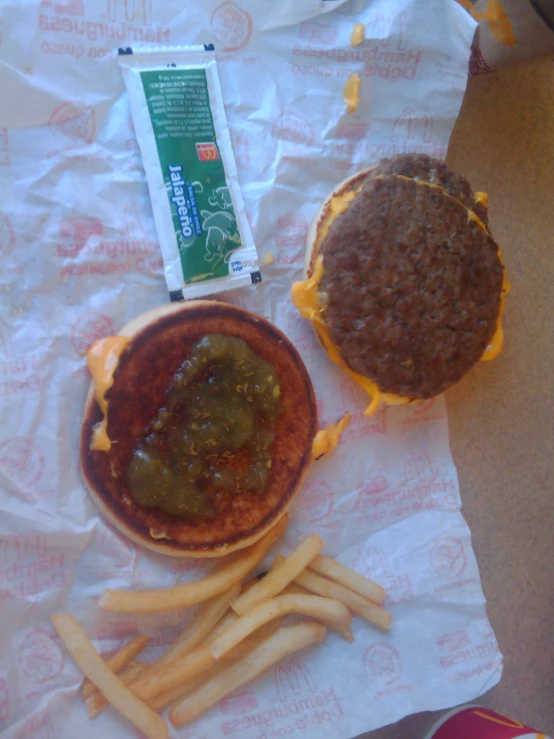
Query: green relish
[(213, 437)]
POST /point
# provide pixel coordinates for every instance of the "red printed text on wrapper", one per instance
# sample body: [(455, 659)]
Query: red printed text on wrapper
[(374, 564), (352, 131), (238, 704), (456, 650), (422, 488), (320, 34), (314, 508), (4, 148), (4, 700), (423, 411), (22, 462), (121, 21), (448, 558), (18, 374), (231, 25), (74, 123), (86, 250), (383, 665), (117, 630), (414, 131), (241, 147), (28, 569), (292, 127), (89, 328), (41, 657), (114, 556), (38, 727), (7, 235), (453, 641), (290, 238)]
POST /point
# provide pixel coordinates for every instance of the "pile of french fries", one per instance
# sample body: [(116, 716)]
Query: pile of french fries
[(235, 636)]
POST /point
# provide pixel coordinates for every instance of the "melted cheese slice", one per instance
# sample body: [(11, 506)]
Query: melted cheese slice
[(351, 92), (481, 198), (102, 359), (495, 345), (326, 440), (338, 204), (305, 297), (358, 34), (268, 259)]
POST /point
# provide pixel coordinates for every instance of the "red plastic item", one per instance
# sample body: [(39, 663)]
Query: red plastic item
[(475, 722)]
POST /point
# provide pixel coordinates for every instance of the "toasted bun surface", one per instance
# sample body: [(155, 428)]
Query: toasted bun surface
[(160, 341)]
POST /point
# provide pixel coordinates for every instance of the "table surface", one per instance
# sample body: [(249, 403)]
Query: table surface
[(501, 428)]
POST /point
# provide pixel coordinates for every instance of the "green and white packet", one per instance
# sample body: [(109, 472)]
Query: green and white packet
[(182, 131)]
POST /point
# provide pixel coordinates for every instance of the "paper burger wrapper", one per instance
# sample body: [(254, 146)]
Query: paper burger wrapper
[(510, 32)]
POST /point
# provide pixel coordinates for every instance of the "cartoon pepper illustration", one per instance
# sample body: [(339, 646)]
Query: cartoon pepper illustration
[(222, 234)]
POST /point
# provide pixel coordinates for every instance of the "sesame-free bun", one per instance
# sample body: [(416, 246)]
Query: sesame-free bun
[(159, 343)]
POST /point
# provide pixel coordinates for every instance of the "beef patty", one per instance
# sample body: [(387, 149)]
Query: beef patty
[(411, 284), (428, 169)]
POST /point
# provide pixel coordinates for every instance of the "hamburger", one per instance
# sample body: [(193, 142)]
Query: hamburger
[(404, 284), (197, 429)]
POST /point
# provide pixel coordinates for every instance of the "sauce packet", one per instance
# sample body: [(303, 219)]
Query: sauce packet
[(182, 131)]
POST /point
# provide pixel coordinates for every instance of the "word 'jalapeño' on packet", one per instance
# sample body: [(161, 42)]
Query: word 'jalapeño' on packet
[(184, 140)]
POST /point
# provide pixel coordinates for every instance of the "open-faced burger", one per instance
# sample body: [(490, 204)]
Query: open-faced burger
[(198, 428), (404, 283)]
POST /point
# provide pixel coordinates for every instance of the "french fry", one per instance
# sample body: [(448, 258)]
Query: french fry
[(164, 699), (206, 619), (329, 589), (347, 577), (247, 645), (93, 666), (165, 677), (197, 631), (147, 601), (279, 577), (250, 583), (118, 661), (201, 627), (227, 621), (332, 613), (293, 589), (283, 642), (242, 649), (96, 702)]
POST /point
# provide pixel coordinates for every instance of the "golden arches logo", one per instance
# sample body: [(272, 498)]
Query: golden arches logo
[(207, 152), (292, 680), (496, 17), (503, 721), (413, 127)]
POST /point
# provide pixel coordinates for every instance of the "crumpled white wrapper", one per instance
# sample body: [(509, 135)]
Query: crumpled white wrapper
[(80, 258)]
